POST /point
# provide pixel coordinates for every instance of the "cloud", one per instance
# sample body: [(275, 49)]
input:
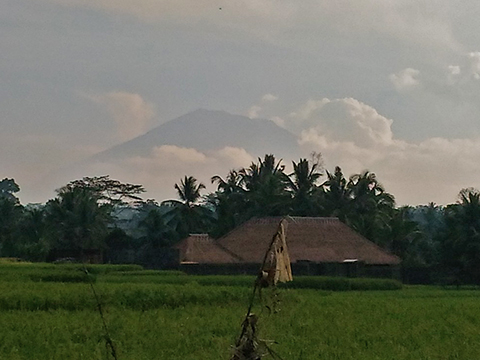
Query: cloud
[(405, 79), (254, 111), (345, 120), (30, 158), (131, 113), (454, 69), (468, 71), (171, 155), (475, 64), (405, 20), (347, 132), (356, 137), (269, 98), (165, 166)]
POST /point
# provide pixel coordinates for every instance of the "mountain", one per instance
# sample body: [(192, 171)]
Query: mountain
[(210, 130), (206, 131)]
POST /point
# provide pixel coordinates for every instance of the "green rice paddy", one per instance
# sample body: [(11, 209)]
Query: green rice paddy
[(46, 312)]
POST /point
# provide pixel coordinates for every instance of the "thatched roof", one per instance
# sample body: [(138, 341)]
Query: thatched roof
[(308, 238), (315, 239), (202, 249)]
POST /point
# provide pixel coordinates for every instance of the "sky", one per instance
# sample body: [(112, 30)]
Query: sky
[(391, 86)]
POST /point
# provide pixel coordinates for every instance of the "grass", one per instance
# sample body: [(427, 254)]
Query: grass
[(156, 318)]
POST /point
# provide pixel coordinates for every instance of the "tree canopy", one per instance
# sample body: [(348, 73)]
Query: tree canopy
[(87, 213)]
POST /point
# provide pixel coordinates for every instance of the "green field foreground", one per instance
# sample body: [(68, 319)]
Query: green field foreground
[(49, 312)]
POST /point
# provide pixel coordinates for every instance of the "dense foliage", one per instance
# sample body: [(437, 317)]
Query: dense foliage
[(439, 243)]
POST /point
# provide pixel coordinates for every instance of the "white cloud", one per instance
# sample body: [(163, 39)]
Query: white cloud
[(171, 155), (432, 170), (475, 64), (269, 98), (164, 167), (131, 113), (30, 158), (405, 79), (347, 132), (343, 120), (233, 157), (255, 110), (278, 120), (454, 69), (405, 20), (460, 75)]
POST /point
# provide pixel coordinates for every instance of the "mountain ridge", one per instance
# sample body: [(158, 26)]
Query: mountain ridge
[(206, 130)]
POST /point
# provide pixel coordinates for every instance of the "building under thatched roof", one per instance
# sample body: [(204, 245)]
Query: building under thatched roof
[(202, 249), (316, 246)]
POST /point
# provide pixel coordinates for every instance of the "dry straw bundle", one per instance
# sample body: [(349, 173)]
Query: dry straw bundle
[(275, 268)]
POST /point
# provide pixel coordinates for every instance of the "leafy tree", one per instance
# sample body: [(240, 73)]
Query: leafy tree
[(84, 211), (117, 238), (10, 214), (461, 244), (404, 236), (8, 187), (77, 219), (108, 191), (431, 223)]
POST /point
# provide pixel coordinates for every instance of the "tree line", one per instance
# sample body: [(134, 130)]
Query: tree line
[(106, 214)]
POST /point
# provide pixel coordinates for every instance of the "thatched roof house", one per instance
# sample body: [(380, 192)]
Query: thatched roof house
[(202, 249), (316, 246)]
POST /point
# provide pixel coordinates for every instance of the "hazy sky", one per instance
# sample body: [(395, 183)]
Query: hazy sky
[(392, 86)]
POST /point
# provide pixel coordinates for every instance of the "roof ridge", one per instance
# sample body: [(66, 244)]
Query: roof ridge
[(365, 240), (236, 256)]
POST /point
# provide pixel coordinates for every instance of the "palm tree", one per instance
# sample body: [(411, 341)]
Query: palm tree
[(229, 202), (370, 206), (404, 237), (265, 186), (155, 232), (336, 194), (306, 195), (188, 191), (10, 215), (32, 235), (188, 215)]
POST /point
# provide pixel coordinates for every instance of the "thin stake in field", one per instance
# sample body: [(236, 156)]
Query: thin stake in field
[(108, 340)]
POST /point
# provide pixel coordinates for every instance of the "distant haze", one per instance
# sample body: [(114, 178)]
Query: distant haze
[(390, 86), (204, 143)]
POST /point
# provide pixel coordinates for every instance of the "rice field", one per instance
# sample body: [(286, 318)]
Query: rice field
[(44, 314)]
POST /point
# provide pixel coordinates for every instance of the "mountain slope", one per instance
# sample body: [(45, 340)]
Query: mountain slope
[(210, 130)]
